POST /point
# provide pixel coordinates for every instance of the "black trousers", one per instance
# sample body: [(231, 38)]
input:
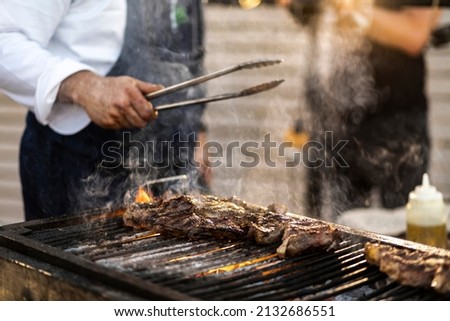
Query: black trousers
[(56, 171), (69, 174)]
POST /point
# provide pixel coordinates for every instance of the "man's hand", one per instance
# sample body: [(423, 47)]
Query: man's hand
[(110, 102)]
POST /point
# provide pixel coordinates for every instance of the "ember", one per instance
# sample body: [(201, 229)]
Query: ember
[(235, 266)]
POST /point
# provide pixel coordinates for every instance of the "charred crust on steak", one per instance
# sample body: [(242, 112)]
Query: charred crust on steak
[(201, 216), (409, 267), (206, 216), (305, 235)]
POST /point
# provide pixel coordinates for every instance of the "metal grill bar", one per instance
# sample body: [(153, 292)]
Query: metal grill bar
[(299, 275), (145, 263), (261, 274), (194, 268), (75, 264), (303, 285), (363, 279), (78, 234)]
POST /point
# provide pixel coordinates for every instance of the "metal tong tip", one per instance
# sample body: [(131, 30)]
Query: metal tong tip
[(261, 87), (258, 63), (245, 65)]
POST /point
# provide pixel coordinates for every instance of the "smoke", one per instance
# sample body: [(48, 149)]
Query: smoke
[(112, 187), (339, 91), (340, 82), (384, 154)]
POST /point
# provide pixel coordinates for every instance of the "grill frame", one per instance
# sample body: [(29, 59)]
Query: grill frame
[(58, 266), (13, 237)]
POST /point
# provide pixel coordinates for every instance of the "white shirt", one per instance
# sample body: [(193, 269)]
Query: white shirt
[(44, 42)]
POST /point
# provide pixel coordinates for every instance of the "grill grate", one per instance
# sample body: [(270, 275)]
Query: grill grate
[(219, 270)]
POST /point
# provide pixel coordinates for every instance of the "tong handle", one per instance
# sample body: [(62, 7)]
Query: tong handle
[(245, 65)]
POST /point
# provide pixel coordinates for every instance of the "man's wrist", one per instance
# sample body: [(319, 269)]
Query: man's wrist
[(73, 87)]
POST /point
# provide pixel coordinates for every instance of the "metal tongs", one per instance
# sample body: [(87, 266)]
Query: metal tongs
[(189, 83), (165, 180)]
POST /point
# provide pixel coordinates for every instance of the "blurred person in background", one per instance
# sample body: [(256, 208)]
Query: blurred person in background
[(82, 68), (365, 86)]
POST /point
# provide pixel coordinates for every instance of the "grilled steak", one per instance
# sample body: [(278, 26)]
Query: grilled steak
[(413, 268), (305, 235), (202, 216)]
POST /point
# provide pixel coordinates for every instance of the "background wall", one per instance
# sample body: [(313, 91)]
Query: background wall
[(12, 119), (233, 36), (236, 35)]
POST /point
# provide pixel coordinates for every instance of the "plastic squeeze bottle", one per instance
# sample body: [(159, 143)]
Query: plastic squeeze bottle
[(426, 215)]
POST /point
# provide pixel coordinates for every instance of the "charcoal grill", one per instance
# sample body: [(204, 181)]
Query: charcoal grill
[(95, 257)]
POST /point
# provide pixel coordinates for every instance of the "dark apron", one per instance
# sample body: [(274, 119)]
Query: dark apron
[(96, 167)]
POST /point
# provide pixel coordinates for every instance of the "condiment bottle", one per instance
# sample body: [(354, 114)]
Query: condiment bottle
[(426, 215)]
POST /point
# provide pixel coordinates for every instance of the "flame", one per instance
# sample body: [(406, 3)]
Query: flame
[(134, 238), (142, 196), (182, 258), (141, 236), (235, 266)]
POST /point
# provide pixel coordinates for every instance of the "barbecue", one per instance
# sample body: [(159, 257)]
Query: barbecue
[(94, 256), (412, 268)]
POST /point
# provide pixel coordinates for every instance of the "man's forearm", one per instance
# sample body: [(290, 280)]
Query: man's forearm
[(407, 30)]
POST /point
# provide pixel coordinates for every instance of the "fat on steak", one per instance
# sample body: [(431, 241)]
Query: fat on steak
[(409, 267), (203, 216)]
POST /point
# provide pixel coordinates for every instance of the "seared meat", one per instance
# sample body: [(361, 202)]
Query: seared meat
[(305, 235), (203, 216), (268, 228), (441, 280), (413, 268)]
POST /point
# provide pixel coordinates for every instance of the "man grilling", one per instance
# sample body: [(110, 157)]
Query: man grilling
[(365, 86), (83, 68)]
